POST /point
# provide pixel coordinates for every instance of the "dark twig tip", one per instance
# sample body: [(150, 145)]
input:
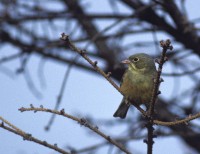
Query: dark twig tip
[(170, 47), (62, 111), (46, 128), (161, 43), (161, 80), (168, 42), (21, 109), (159, 92), (145, 141), (95, 63), (19, 70), (83, 121), (64, 37)]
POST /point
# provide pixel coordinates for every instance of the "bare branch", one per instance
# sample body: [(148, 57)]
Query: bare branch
[(183, 121), (29, 137), (81, 121), (165, 45)]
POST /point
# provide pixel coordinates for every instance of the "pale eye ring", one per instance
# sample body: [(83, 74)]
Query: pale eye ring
[(136, 59)]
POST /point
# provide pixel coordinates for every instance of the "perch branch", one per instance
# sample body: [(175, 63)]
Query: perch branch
[(165, 45)]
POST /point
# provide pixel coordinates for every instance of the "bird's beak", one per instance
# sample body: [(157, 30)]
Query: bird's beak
[(126, 61)]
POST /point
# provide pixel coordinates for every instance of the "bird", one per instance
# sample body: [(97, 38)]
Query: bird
[(137, 82)]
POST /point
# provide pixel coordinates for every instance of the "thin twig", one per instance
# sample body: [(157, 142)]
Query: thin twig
[(81, 121), (65, 37), (62, 89), (29, 137), (165, 45), (30, 83), (11, 57), (183, 121), (11, 125)]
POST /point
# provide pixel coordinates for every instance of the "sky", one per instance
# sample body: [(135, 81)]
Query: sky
[(85, 95)]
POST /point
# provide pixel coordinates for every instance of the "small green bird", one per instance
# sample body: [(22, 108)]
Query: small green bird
[(137, 82)]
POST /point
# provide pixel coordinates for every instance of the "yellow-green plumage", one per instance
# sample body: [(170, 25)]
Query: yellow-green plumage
[(137, 82)]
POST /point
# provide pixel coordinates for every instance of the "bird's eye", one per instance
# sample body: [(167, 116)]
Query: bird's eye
[(136, 59)]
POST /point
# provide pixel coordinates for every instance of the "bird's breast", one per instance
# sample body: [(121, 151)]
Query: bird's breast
[(137, 87)]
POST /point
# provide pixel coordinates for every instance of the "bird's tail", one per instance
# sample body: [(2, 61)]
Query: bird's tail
[(122, 109)]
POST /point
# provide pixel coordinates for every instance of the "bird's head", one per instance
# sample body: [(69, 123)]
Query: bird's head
[(140, 62)]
